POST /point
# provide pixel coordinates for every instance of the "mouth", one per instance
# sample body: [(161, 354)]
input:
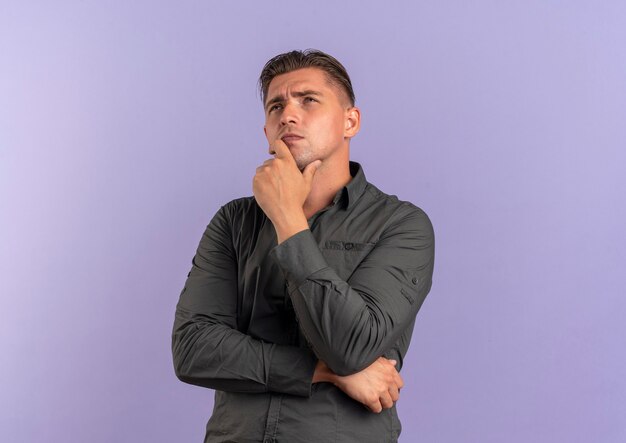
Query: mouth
[(291, 138)]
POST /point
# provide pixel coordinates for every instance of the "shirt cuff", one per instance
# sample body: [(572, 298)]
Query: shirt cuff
[(298, 257), (291, 370)]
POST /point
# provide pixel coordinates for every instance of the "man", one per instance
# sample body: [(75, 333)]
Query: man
[(301, 300)]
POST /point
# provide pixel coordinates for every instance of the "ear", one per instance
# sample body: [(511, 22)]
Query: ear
[(352, 122)]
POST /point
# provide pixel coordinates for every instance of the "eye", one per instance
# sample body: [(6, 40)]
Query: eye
[(309, 100), (274, 107)]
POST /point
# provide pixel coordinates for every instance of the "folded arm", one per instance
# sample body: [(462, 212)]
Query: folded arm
[(207, 348), (349, 324)]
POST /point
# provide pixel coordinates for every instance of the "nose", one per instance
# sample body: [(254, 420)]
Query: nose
[(290, 114)]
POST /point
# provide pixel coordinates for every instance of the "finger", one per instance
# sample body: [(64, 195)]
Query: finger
[(375, 407), (386, 401), (386, 361), (280, 150), (399, 381), (263, 168), (310, 170), (394, 392), (381, 360)]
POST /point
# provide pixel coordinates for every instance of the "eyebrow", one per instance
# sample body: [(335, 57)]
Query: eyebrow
[(281, 98)]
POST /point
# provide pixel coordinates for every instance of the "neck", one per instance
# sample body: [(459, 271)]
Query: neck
[(328, 180)]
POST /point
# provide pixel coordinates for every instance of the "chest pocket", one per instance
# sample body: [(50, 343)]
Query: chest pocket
[(345, 256)]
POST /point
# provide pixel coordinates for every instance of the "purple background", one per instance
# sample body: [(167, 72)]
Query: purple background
[(125, 125)]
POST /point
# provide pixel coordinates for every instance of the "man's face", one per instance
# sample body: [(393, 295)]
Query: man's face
[(309, 114)]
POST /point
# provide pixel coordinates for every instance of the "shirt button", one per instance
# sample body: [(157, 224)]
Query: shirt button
[(414, 280), (348, 246)]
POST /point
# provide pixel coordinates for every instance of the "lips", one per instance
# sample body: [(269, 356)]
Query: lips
[(291, 138)]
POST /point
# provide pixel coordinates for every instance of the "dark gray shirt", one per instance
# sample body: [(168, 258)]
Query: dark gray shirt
[(254, 317)]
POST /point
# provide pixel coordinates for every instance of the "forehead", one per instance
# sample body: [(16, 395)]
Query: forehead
[(300, 79)]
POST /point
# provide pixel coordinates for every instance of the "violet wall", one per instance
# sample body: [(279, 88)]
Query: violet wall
[(125, 125)]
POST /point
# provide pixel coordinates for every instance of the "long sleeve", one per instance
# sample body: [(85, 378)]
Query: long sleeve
[(351, 323), (207, 348)]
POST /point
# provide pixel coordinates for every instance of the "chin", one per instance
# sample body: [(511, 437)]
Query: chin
[(303, 160)]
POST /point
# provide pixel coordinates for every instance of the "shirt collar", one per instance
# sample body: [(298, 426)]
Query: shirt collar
[(349, 194)]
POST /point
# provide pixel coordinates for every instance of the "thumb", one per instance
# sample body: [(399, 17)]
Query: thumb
[(310, 170)]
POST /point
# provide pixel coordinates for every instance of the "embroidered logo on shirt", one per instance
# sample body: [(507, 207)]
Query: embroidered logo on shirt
[(347, 246)]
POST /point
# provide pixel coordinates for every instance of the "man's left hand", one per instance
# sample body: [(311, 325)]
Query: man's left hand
[(377, 387)]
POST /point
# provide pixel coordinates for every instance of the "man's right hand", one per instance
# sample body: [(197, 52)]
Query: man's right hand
[(377, 386)]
